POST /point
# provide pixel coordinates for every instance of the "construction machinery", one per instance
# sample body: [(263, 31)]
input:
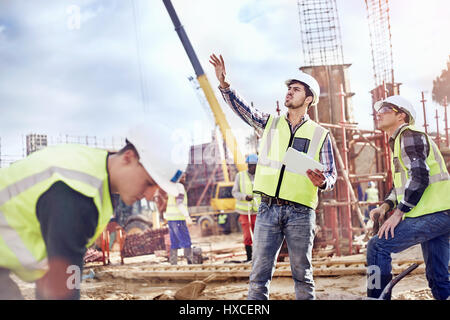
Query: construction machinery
[(222, 200)]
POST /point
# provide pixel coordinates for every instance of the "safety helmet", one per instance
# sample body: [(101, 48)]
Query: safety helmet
[(310, 82), (161, 156), (401, 103), (251, 159), (371, 184)]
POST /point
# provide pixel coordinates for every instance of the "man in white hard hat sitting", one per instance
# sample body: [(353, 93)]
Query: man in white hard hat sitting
[(57, 201), (288, 199), (419, 197)]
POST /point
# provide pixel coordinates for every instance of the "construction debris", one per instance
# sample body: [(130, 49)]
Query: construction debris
[(193, 289)]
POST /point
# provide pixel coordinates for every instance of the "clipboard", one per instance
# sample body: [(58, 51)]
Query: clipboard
[(298, 162)]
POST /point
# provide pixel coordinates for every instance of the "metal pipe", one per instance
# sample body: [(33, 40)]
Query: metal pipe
[(348, 209), (438, 137), (425, 124), (446, 123)]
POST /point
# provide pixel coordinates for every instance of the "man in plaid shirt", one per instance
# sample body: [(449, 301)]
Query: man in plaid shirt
[(287, 209), (420, 197)]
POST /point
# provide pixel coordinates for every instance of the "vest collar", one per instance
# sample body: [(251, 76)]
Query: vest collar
[(395, 134), (302, 121)]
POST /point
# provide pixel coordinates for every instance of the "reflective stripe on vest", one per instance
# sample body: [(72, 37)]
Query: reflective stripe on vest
[(22, 248), (172, 212), (435, 196), (272, 174), (246, 187), (222, 218)]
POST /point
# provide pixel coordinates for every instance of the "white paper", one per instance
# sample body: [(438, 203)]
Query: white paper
[(299, 162)]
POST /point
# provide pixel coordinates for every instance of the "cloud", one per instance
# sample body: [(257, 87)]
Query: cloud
[(89, 81)]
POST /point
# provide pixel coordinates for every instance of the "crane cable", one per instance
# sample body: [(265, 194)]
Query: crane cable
[(142, 80)]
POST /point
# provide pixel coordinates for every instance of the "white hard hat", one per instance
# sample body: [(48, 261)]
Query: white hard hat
[(160, 155), (308, 80), (400, 102)]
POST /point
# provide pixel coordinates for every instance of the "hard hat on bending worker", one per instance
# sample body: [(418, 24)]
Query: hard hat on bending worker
[(159, 154), (398, 102), (310, 84)]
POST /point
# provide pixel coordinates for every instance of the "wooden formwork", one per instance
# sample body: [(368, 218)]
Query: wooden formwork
[(226, 272)]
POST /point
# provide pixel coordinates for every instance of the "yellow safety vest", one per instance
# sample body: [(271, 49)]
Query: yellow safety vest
[(372, 195), (272, 178), (84, 169), (436, 196), (172, 212), (246, 186)]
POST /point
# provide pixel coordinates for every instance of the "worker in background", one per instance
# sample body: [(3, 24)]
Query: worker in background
[(224, 223), (288, 200), (57, 201), (247, 202), (371, 195), (420, 197), (176, 215)]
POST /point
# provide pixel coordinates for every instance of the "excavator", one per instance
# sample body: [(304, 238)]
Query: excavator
[(222, 200)]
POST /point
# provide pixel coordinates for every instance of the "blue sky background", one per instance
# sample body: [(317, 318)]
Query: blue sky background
[(59, 77)]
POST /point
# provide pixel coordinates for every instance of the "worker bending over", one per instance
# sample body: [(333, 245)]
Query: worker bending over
[(57, 201), (176, 215), (247, 202), (420, 197), (288, 199)]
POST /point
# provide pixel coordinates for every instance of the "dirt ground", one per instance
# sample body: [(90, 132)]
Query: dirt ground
[(413, 287)]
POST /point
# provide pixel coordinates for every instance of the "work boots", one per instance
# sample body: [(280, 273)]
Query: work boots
[(173, 257), (188, 255), (248, 250)]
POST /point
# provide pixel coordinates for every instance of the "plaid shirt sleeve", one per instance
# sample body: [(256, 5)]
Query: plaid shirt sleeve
[(327, 159), (245, 111), (391, 199), (415, 149)]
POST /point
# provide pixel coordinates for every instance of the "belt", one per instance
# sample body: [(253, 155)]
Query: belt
[(276, 201)]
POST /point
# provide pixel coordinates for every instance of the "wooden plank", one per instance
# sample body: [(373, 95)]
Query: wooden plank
[(231, 271)]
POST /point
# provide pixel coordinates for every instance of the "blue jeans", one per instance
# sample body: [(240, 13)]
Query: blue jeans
[(179, 234), (432, 231), (296, 224)]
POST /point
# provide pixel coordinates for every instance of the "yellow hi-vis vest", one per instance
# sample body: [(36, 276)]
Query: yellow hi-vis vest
[(172, 212), (246, 186), (436, 196), (84, 169), (272, 178), (372, 194)]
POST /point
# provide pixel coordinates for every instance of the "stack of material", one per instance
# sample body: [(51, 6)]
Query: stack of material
[(93, 255), (203, 170), (144, 243)]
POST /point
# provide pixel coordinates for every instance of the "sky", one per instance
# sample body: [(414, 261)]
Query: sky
[(93, 67)]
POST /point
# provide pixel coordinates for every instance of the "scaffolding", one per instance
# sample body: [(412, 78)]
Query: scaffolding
[(380, 40), (361, 155), (381, 46), (320, 32)]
